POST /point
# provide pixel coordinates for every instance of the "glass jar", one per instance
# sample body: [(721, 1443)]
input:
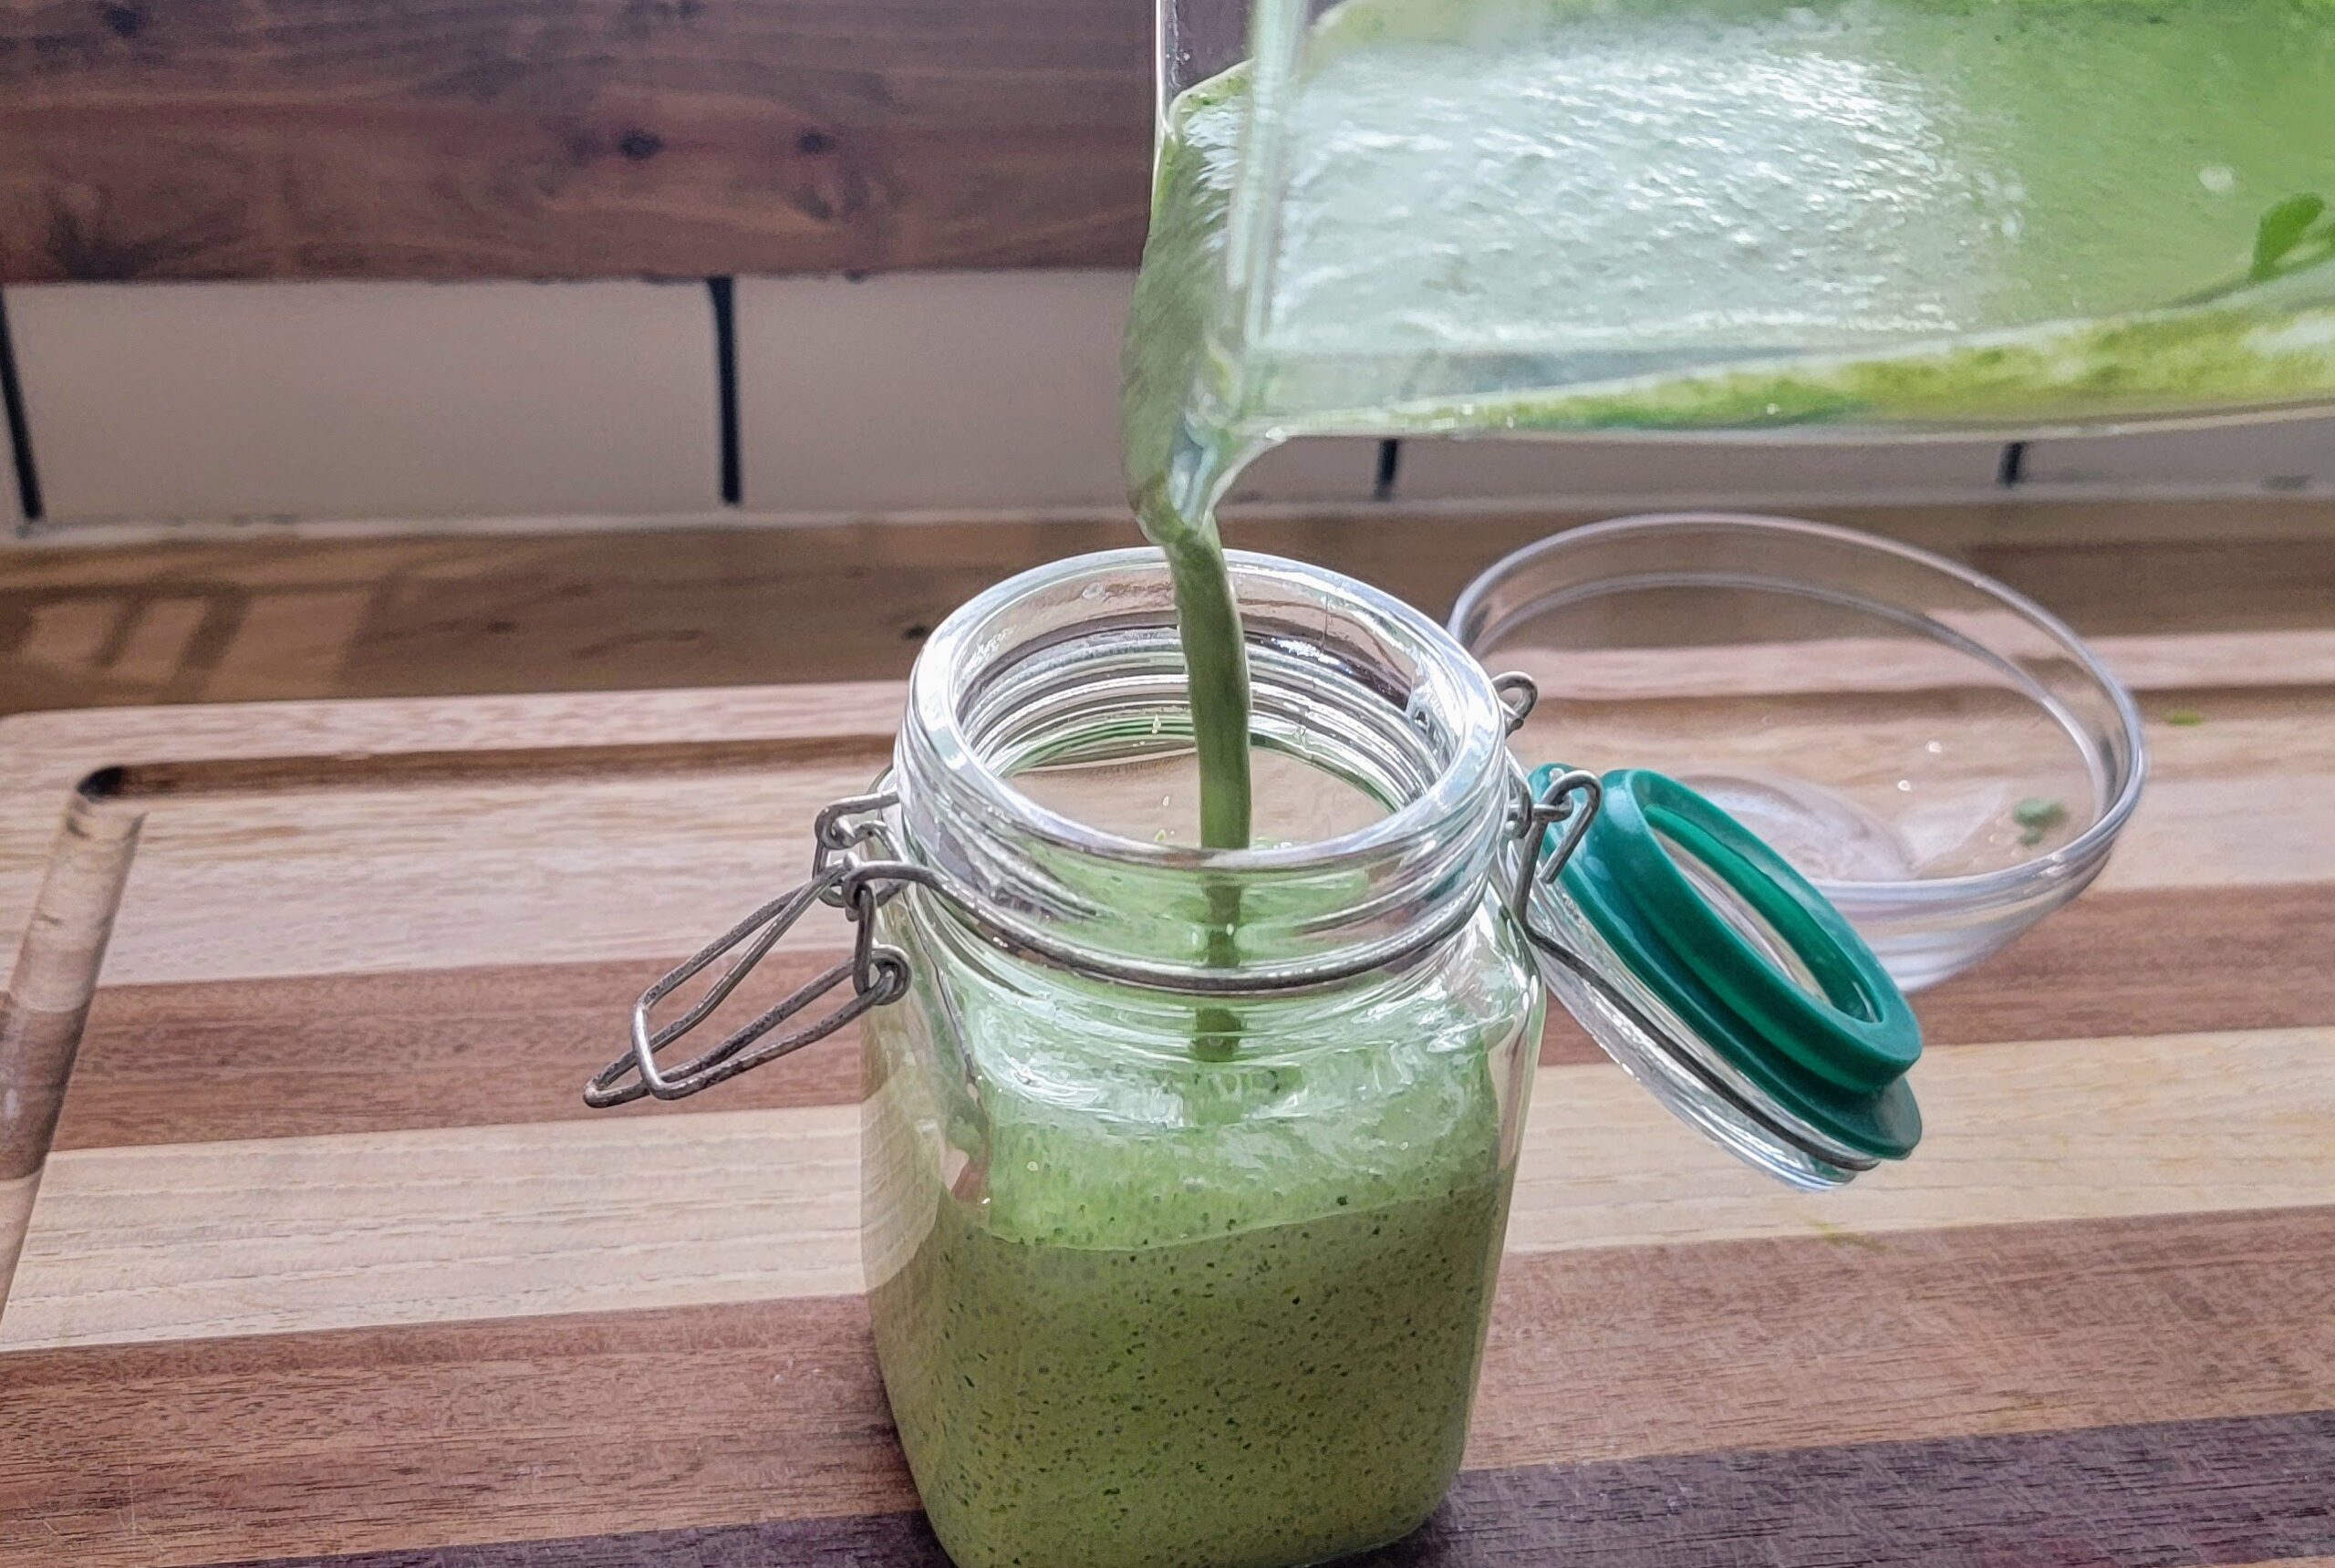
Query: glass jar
[(1186, 1172), (1163, 1273)]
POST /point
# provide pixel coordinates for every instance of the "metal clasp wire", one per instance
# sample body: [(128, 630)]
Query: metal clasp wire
[(878, 973), (1520, 694), (1556, 804)]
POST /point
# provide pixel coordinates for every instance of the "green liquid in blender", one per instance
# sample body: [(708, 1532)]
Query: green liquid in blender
[(1482, 217)]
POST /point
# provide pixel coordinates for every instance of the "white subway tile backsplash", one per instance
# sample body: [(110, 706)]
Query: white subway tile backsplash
[(953, 390), (331, 399), (960, 391), (2275, 455), (942, 391), (930, 391), (1718, 471)]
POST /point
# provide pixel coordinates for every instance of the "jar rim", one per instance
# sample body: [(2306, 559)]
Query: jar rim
[(1450, 679), (1342, 677)]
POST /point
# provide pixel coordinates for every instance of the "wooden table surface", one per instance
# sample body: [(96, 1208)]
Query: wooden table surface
[(329, 1264)]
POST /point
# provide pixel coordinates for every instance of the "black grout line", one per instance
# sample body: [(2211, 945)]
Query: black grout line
[(20, 435), (725, 369), (1390, 465), (2012, 471)]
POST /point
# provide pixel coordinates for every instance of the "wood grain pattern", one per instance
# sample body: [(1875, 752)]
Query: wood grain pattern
[(1842, 670), (301, 616), (49, 751), (295, 1056), (2239, 584), (406, 875), (2023, 1131), (195, 1241), (47, 1003), (428, 898), (1806, 1342), (2199, 1492), (295, 139), (423, 1438), (371, 950), (440, 1436), (2191, 1493), (2138, 962), (199, 1240)]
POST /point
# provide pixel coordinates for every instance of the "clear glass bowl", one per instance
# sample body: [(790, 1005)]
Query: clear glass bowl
[(1942, 756)]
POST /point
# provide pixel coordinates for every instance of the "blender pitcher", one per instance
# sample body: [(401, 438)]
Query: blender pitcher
[(1516, 217)]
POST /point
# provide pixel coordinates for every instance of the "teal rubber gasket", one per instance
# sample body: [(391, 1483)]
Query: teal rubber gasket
[(1837, 1061)]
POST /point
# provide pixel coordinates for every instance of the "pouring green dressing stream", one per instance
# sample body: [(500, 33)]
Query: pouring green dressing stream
[(1180, 462), (1489, 216), (1178, 465)]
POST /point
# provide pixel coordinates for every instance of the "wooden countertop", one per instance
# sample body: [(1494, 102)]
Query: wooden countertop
[(330, 1263)]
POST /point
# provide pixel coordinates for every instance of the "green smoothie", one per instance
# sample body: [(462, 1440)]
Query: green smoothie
[(1284, 1394), (1138, 1308), (1500, 216)]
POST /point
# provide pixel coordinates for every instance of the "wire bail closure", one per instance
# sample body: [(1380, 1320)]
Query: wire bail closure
[(879, 973), (1520, 694)]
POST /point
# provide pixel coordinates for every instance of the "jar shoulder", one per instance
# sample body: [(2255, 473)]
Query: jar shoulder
[(1087, 1113)]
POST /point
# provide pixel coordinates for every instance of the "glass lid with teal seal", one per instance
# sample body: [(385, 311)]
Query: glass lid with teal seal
[(1718, 976)]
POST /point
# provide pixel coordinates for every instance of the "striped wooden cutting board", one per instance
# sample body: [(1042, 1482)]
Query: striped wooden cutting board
[(329, 1263)]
